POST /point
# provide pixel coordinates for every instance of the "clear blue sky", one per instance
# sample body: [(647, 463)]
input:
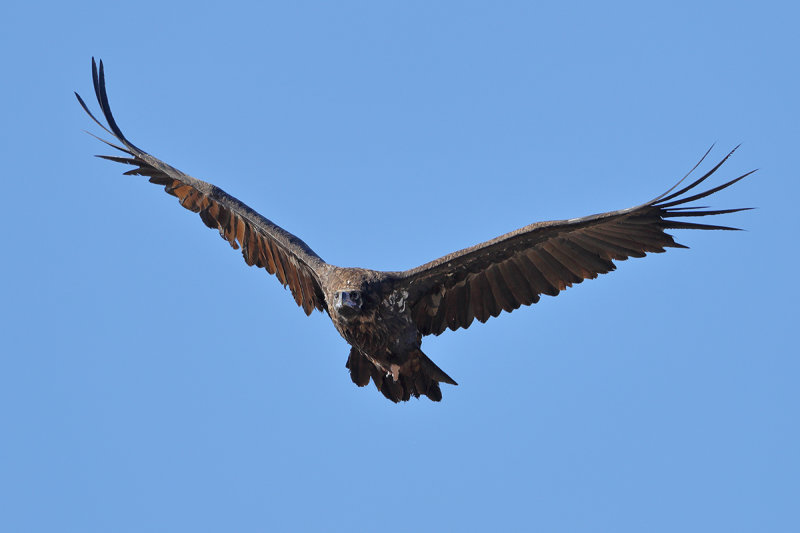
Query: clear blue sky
[(151, 381)]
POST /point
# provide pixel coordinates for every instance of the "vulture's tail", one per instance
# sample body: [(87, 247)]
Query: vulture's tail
[(418, 376)]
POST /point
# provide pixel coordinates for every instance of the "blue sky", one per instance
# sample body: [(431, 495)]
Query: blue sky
[(151, 381)]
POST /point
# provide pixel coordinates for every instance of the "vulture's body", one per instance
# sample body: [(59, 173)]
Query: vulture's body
[(384, 315)]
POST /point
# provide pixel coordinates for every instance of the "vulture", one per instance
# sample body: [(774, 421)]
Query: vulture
[(384, 315)]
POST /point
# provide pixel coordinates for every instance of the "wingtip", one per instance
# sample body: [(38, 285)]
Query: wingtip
[(96, 63), (99, 81)]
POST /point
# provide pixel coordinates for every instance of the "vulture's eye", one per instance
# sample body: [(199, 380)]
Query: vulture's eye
[(354, 295)]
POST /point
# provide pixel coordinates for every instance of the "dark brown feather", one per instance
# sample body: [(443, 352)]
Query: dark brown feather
[(483, 304), (503, 295), (535, 277), (550, 272), (359, 367), (564, 256), (547, 257)]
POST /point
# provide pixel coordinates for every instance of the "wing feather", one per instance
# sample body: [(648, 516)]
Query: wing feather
[(263, 243), (547, 257), (478, 298)]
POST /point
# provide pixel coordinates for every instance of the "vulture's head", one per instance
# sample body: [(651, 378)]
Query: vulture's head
[(348, 302)]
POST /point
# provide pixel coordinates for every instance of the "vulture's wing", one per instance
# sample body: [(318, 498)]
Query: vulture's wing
[(547, 257), (263, 243)]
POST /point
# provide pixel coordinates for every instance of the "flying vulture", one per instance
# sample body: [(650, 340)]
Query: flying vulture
[(384, 315)]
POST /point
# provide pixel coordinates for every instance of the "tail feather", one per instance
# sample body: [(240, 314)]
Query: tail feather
[(419, 376), (431, 369), (434, 392), (360, 368)]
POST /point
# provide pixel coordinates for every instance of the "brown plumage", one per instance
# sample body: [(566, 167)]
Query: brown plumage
[(384, 315)]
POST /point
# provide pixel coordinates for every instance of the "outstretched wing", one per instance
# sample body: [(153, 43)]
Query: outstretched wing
[(263, 243), (547, 257)]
